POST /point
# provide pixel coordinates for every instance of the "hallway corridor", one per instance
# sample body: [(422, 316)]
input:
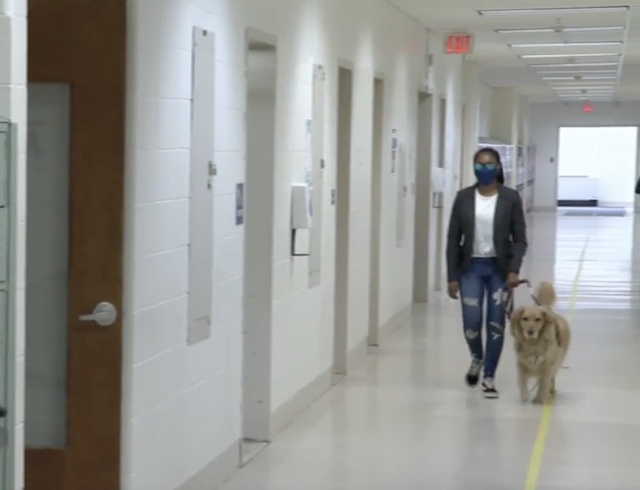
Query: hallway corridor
[(405, 420)]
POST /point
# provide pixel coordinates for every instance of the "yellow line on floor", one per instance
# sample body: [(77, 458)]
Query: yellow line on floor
[(543, 428)]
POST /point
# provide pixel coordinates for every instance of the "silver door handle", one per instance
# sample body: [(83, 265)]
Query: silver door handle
[(104, 314)]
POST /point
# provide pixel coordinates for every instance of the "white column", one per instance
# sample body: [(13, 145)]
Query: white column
[(505, 121), (471, 120), (523, 139)]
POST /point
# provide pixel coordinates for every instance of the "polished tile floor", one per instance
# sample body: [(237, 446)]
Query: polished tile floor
[(404, 419)]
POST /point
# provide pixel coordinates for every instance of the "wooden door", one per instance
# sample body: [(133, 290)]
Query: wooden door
[(82, 43)]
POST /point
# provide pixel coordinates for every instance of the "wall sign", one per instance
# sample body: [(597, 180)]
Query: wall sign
[(239, 203), (394, 150)]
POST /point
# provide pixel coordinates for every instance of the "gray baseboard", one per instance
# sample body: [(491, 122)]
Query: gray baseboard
[(221, 469), (217, 472), (363, 349), (396, 321), (286, 413), (358, 354)]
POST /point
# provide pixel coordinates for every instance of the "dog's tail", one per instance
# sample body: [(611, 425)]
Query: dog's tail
[(546, 294)]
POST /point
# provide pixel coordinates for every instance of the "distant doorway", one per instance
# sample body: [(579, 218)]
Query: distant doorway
[(343, 212), (422, 247), (376, 210), (438, 199), (597, 167), (261, 73)]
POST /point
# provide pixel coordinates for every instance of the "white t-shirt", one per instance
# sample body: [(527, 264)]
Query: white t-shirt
[(483, 234)]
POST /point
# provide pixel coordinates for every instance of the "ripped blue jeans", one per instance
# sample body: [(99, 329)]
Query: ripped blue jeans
[(483, 281)]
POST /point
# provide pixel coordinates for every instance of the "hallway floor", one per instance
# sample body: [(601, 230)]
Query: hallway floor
[(405, 420)]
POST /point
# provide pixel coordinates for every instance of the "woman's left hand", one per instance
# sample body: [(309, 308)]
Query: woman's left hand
[(513, 281)]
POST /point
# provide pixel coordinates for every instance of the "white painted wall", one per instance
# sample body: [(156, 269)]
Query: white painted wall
[(545, 120), (181, 408), (486, 100), (182, 404), (13, 106)]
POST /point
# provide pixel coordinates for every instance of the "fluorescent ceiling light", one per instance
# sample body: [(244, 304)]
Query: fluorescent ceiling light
[(597, 83), (588, 99), (582, 87), (577, 72), (574, 65), (567, 44), (542, 30), (584, 92), (555, 11), (579, 77), (582, 98), (572, 55)]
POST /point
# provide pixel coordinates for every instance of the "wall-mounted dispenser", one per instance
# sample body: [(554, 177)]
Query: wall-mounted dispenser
[(437, 187), (301, 219)]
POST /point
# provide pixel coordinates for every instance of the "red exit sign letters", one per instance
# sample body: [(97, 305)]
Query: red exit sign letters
[(458, 44)]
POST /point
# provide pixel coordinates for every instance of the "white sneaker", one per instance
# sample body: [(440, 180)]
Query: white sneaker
[(489, 388)]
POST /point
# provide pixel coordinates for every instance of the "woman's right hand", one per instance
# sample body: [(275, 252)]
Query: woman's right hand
[(453, 289)]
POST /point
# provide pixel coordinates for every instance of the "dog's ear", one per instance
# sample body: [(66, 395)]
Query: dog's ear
[(516, 318)]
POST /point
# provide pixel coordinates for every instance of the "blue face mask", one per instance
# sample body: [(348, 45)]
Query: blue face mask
[(486, 173)]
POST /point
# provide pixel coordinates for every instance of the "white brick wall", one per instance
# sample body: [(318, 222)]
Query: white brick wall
[(13, 106), (182, 404)]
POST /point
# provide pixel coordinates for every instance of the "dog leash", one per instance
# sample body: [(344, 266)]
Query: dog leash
[(509, 301)]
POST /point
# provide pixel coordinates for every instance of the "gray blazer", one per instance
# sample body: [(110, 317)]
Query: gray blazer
[(509, 232)]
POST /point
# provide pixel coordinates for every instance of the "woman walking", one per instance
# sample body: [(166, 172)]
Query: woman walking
[(486, 245)]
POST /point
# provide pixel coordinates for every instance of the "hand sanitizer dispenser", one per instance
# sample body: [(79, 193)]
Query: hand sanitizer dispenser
[(301, 218), (300, 207)]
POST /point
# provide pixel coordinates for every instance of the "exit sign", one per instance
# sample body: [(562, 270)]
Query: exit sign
[(458, 44)]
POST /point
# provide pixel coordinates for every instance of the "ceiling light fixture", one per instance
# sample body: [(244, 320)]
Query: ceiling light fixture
[(556, 11), (572, 55), (591, 83), (574, 65), (586, 96), (577, 72), (585, 92), (542, 30), (566, 45), (579, 86), (582, 98), (579, 77), (594, 90)]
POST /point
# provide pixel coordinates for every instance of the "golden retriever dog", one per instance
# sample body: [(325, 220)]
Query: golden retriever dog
[(542, 339)]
